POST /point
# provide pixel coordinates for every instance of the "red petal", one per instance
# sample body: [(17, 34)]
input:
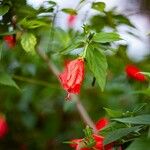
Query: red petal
[(75, 142), (3, 127), (134, 72), (10, 40), (99, 141), (101, 123), (72, 77), (71, 20)]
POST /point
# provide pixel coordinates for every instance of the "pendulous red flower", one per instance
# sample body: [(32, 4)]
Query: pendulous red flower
[(133, 72), (78, 143), (73, 75), (10, 40), (3, 127), (71, 20)]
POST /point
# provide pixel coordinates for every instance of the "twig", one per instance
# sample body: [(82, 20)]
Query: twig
[(33, 81), (84, 115)]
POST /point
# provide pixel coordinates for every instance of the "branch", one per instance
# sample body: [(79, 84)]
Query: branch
[(33, 81), (84, 115)]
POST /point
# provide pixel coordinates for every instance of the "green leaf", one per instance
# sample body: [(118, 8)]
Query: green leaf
[(100, 6), (145, 92), (104, 37), (142, 119), (52, 3), (6, 79), (4, 9), (139, 107), (8, 33), (88, 131), (72, 47), (140, 144), (32, 24), (113, 113), (69, 11), (97, 63), (28, 42), (121, 19), (111, 127), (89, 140), (146, 73), (118, 134)]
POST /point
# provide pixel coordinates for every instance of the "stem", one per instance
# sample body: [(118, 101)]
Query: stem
[(52, 27), (88, 41), (33, 81), (82, 111), (84, 115), (85, 50)]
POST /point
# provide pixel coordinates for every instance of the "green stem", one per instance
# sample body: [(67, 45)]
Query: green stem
[(85, 50), (33, 81)]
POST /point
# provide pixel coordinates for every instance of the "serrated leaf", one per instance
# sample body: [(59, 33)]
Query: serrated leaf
[(139, 107), (52, 3), (31, 24), (97, 63), (4, 9), (118, 134), (88, 131), (140, 144), (111, 127), (100, 6), (121, 19), (70, 48), (113, 113), (145, 92), (28, 42), (104, 37), (6, 79), (142, 119), (69, 11)]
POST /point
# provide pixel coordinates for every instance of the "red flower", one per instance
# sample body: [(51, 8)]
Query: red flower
[(72, 77), (134, 72), (79, 143), (71, 20), (3, 126), (10, 40), (76, 144), (101, 123)]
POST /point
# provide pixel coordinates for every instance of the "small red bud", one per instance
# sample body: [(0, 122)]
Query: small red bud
[(133, 72), (10, 40), (71, 20), (3, 127)]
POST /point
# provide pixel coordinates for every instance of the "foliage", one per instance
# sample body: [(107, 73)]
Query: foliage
[(32, 98)]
